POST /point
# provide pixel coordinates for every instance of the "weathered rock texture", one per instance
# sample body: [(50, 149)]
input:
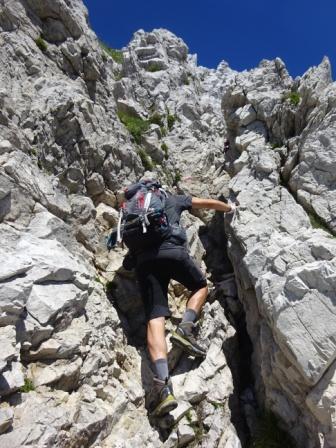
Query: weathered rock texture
[(68, 376), (285, 268), (73, 364)]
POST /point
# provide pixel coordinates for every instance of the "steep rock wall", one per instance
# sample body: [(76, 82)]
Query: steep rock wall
[(285, 268), (68, 373), (71, 320)]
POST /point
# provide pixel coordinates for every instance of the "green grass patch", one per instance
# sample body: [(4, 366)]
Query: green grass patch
[(269, 434), (98, 280), (294, 98), (217, 404), (116, 55), (28, 386), (145, 160), (196, 426), (118, 76), (154, 67), (41, 43), (171, 121), (316, 222), (135, 125), (138, 126), (163, 131), (164, 148), (156, 118), (188, 416), (177, 177)]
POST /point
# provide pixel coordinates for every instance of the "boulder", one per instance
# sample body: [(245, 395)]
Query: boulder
[(10, 350), (130, 107), (13, 298), (106, 215), (95, 184), (60, 374), (63, 344), (35, 183), (11, 379), (6, 419), (5, 146), (185, 433), (47, 303)]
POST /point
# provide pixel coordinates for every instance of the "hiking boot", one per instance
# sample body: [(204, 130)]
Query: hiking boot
[(183, 338), (162, 398)]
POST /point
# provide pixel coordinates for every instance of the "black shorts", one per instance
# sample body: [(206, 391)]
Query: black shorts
[(154, 274)]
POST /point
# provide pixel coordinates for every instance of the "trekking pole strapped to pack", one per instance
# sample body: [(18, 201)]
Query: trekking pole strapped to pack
[(119, 226), (146, 222)]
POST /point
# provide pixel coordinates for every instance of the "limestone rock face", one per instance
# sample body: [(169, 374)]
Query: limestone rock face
[(286, 270), (74, 370), (313, 177), (59, 92)]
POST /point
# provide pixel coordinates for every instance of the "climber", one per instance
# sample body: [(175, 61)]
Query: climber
[(155, 267), (226, 145)]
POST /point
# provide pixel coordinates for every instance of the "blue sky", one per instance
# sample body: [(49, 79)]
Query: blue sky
[(241, 32)]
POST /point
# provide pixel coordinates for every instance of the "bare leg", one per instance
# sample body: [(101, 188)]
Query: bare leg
[(161, 400), (198, 299), (183, 337), (156, 340)]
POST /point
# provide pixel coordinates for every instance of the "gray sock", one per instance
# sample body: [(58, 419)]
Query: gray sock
[(161, 367), (189, 315)]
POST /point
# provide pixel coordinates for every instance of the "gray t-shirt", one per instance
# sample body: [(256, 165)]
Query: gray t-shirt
[(175, 205)]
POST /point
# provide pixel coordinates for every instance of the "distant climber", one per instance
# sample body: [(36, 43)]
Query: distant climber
[(150, 226), (226, 145)]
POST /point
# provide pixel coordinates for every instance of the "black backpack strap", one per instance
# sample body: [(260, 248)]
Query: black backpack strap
[(152, 184), (130, 191)]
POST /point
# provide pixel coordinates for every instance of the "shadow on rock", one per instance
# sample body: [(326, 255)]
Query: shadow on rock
[(124, 294), (238, 347)]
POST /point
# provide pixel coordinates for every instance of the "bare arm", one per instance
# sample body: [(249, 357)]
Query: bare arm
[(212, 204)]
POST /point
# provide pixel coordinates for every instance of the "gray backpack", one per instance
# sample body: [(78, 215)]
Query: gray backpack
[(143, 223)]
